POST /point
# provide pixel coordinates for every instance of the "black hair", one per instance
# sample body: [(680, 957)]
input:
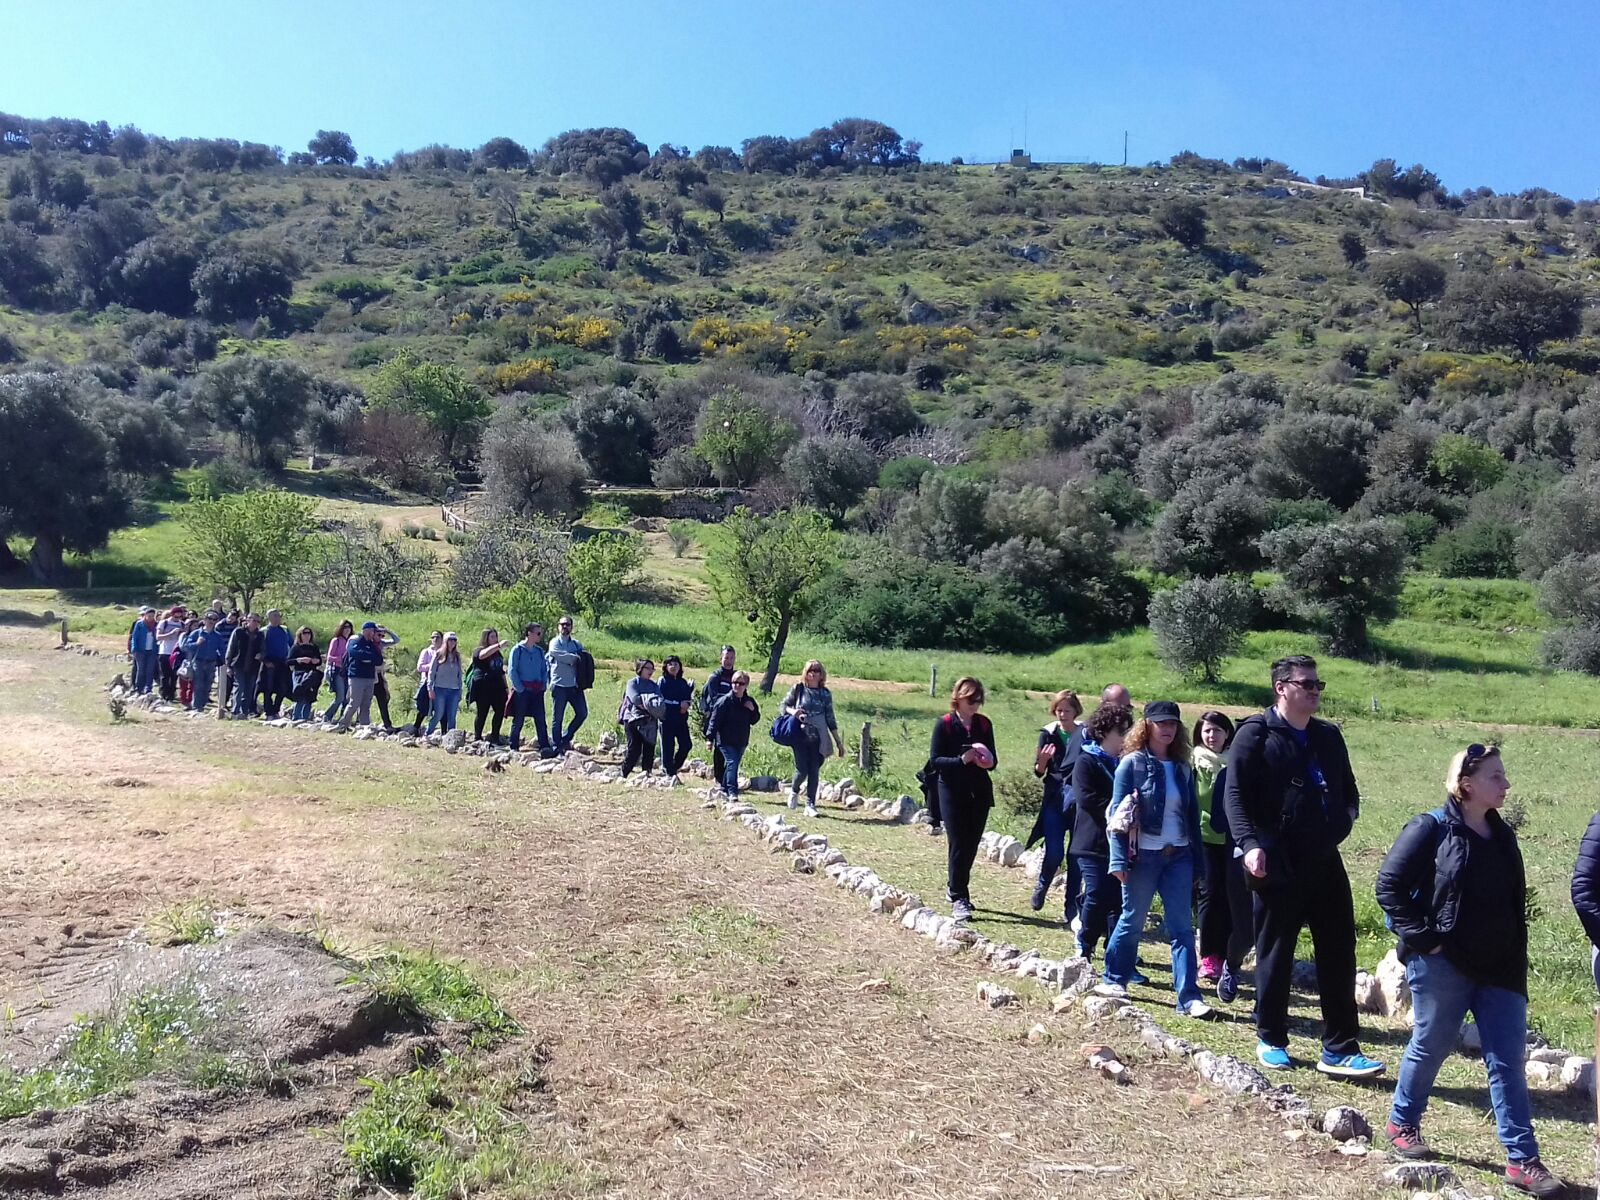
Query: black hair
[(1284, 668), (1108, 718), (1220, 720)]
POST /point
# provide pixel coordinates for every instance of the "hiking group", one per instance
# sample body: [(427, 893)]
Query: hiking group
[(1245, 824), (1240, 824)]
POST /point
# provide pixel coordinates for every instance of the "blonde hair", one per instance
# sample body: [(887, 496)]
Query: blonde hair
[(818, 667), (1070, 698), (1453, 774), (1178, 749), (741, 677)]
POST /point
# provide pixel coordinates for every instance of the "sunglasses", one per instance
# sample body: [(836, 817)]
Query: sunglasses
[(1310, 685), (1476, 753)]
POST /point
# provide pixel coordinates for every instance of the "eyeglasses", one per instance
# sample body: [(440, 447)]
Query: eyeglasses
[(1310, 685), (1476, 753)]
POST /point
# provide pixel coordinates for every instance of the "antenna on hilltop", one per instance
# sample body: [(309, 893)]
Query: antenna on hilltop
[(1124, 147)]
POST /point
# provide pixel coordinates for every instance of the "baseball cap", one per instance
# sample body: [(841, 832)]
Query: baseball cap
[(146, 610), (366, 625), (1161, 710)]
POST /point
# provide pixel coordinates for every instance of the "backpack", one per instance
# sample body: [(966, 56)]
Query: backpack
[(584, 671), (1417, 893)]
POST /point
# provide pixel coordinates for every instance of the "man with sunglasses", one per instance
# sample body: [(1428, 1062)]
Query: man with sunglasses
[(1291, 799)]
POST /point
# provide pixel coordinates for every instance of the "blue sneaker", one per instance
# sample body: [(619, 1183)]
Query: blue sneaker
[(1350, 1066), (1138, 979), (1274, 1057), (1227, 985)]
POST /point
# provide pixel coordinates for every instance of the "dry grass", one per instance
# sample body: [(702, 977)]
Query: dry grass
[(700, 1003)]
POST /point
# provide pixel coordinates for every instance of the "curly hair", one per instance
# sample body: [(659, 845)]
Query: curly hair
[(1177, 750), (1108, 719)]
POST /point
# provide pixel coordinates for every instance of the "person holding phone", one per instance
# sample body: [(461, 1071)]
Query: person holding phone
[(1291, 799)]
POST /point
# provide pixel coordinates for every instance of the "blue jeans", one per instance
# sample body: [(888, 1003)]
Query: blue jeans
[(1102, 900), (301, 710), (1057, 825), (244, 691), (445, 703), (524, 704), (730, 773), (145, 670), (341, 692), (1171, 876), (1441, 996), (205, 677), (560, 697)]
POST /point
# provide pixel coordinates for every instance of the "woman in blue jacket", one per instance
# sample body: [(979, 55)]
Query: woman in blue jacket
[(676, 693), (1586, 891), (1156, 849)]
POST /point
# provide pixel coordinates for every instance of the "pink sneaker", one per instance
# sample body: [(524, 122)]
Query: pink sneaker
[(1211, 968)]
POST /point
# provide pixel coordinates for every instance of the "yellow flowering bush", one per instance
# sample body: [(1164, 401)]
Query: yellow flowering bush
[(527, 375)]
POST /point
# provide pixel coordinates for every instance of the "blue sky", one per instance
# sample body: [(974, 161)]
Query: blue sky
[(1499, 94)]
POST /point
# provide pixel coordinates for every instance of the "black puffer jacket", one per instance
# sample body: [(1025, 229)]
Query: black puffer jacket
[(1271, 798), (1093, 777), (1586, 880), (1424, 891)]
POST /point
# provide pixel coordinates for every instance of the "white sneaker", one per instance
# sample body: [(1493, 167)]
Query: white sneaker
[(1115, 990), (1077, 924), (811, 810), (794, 799), (1198, 1009)]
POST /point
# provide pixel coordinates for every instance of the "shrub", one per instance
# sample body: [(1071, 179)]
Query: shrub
[(1463, 465), (613, 434), (530, 471), (528, 375), (507, 551), (680, 536), (1573, 648), (1201, 623), (1339, 577), (1480, 548), (830, 474), (1210, 530), (360, 568), (600, 568)]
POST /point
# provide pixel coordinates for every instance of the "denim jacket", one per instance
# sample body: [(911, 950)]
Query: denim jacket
[(1141, 771)]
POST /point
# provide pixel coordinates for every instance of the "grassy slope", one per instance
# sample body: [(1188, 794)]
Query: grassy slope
[(447, 247)]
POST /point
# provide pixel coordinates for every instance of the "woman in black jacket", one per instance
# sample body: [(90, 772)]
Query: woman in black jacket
[(305, 673), (1092, 778), (961, 757), (1452, 888), (1586, 891), (489, 685)]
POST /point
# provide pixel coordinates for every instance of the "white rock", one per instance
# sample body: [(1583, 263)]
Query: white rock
[(1038, 1034), (1343, 1123), (1097, 1008), (1032, 861), (911, 916), (994, 995), (1232, 1075), (1577, 1073), (1548, 1054), (1008, 852), (817, 841), (1368, 998), (1542, 1072), (851, 803), (1062, 1003), (1393, 991), (833, 858), (1425, 1175)]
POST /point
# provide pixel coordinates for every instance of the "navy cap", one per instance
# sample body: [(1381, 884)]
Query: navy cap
[(1161, 710)]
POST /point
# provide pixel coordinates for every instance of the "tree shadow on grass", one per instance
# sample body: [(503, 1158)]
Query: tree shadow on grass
[(1411, 658), (17, 616)]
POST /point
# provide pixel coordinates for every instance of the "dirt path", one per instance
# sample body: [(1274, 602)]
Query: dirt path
[(700, 1001)]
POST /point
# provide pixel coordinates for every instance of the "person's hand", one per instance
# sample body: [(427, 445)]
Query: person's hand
[(1120, 876), (969, 755), (1047, 751), (1437, 949), (800, 715), (683, 706), (1255, 863)]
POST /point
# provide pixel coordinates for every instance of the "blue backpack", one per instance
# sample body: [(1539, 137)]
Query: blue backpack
[(787, 730), (1438, 815)]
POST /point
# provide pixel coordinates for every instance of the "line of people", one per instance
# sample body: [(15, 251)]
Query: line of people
[(1250, 820)]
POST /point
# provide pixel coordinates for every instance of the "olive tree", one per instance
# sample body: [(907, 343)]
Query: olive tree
[(1339, 577), (1200, 624), (770, 568)]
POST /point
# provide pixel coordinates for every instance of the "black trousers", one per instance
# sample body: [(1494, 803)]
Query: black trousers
[(491, 702), (380, 693), (1227, 922), (1316, 896), (964, 819), (640, 748), (675, 746), (273, 685)]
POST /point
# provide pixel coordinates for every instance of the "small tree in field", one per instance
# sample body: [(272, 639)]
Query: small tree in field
[(240, 543), (769, 568), (1411, 279), (1184, 221), (1339, 577), (359, 568), (1200, 624), (600, 568)]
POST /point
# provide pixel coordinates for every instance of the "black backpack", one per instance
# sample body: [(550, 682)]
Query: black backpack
[(585, 670)]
